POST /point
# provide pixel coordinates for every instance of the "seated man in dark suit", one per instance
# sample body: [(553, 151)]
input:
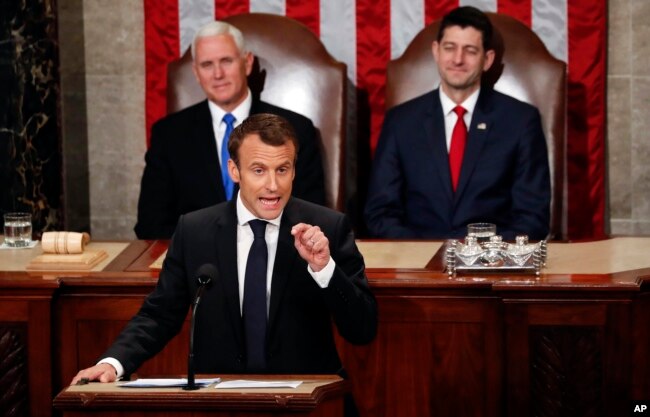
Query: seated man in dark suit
[(461, 153), (186, 165), (278, 320)]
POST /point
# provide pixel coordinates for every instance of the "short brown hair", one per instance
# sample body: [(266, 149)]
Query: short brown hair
[(272, 129), (468, 16)]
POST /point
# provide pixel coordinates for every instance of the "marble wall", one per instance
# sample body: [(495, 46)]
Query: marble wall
[(103, 90), (628, 111), (30, 157), (73, 115), (102, 71)]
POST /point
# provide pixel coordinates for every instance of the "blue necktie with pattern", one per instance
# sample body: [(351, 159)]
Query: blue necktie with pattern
[(228, 185)]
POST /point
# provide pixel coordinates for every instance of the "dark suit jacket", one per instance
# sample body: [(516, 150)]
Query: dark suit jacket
[(300, 336), (504, 177), (183, 174)]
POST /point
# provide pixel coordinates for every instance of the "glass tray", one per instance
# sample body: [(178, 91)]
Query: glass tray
[(495, 256)]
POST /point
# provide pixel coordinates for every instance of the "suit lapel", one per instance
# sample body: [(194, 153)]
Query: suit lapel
[(477, 135), (204, 140), (435, 132), (226, 244), (284, 259)]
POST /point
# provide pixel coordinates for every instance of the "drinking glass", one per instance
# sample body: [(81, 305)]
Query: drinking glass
[(18, 229), (482, 231)]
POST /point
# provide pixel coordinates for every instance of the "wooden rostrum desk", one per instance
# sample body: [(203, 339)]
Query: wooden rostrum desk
[(573, 341)]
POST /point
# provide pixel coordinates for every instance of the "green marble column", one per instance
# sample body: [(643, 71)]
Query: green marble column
[(30, 144)]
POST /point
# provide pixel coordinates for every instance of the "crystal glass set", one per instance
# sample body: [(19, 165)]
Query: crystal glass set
[(482, 249)]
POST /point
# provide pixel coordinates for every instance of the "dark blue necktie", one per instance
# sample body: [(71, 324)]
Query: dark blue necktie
[(228, 185), (255, 298)]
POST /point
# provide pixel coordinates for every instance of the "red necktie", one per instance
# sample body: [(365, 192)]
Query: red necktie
[(457, 146)]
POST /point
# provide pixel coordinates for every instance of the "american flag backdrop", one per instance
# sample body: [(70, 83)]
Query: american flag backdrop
[(366, 34)]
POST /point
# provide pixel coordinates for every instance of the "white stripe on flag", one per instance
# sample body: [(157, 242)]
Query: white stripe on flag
[(192, 14), (338, 32), (484, 5), (550, 23), (268, 6), (406, 21)]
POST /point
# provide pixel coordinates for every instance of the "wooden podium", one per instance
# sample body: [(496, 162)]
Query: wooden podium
[(317, 396)]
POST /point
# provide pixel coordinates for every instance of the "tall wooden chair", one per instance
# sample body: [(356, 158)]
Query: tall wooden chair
[(292, 70), (523, 68)]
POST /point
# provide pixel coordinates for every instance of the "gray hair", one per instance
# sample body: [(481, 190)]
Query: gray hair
[(220, 28)]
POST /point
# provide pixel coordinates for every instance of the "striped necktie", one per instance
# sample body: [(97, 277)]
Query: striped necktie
[(228, 184)]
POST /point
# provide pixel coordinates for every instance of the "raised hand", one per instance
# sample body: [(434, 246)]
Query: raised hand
[(312, 245)]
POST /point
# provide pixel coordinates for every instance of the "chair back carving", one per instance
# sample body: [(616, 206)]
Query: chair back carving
[(523, 68), (292, 70)]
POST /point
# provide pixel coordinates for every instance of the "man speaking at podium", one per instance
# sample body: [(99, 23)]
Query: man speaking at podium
[(292, 264)]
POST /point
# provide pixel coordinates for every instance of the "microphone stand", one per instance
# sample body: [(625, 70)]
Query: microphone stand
[(191, 384)]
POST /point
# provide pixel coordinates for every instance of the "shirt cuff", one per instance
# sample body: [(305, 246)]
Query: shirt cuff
[(323, 276), (115, 364)]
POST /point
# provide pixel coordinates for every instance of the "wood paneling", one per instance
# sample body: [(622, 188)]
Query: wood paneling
[(25, 346), (493, 345), (14, 400)]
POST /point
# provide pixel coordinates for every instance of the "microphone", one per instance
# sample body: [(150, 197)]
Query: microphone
[(205, 274)]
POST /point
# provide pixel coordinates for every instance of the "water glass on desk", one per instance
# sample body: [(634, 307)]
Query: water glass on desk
[(18, 229), (482, 231)]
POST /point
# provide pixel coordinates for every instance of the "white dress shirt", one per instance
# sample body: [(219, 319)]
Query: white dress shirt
[(451, 117)]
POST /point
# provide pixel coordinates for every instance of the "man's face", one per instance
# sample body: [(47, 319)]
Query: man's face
[(265, 175), (221, 70), (461, 60)]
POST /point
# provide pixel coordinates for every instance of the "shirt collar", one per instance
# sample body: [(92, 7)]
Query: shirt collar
[(244, 215), (448, 104), (240, 112)]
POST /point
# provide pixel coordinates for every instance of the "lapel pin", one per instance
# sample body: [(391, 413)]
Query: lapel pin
[(481, 126)]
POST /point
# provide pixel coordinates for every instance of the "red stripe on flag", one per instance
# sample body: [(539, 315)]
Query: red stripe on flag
[(226, 8), (373, 53), (306, 12), (435, 9), (586, 118), (521, 10), (162, 45)]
